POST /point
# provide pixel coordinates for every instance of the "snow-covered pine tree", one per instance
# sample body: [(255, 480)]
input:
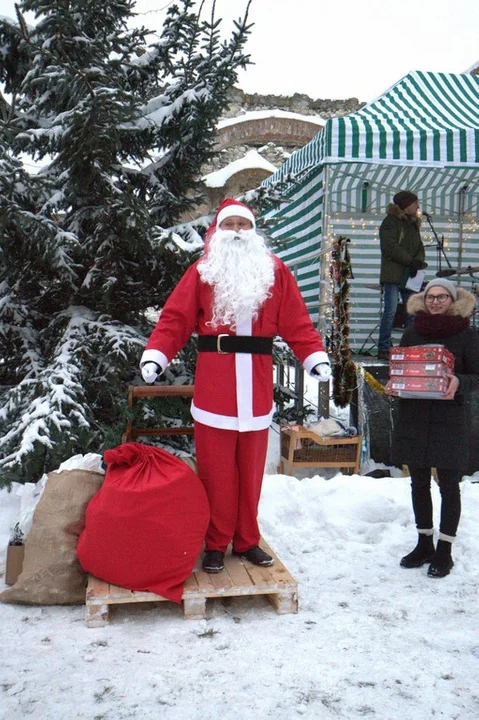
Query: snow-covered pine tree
[(123, 128)]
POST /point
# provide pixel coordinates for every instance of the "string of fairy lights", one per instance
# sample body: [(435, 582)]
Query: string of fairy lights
[(359, 228)]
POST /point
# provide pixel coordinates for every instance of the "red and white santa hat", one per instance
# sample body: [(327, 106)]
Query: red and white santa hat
[(233, 208), (228, 208)]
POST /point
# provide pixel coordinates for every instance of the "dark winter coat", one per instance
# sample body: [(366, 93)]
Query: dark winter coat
[(435, 433), (401, 244)]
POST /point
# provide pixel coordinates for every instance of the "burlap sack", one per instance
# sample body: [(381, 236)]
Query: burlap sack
[(51, 573), (190, 460)]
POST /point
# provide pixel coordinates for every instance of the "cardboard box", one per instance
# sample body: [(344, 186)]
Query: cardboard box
[(418, 369), (423, 388), (422, 353), (14, 565)]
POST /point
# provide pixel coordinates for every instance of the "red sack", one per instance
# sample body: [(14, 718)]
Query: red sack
[(145, 527)]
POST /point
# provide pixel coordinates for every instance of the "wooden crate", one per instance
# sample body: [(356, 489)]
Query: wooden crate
[(239, 578), (305, 448)]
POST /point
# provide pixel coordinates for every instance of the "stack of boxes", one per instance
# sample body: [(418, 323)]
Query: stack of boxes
[(419, 371)]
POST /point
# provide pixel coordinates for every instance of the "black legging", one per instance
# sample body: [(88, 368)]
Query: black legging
[(450, 499)]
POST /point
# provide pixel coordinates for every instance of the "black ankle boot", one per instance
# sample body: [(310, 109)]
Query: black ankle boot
[(213, 561), (442, 562), (422, 553)]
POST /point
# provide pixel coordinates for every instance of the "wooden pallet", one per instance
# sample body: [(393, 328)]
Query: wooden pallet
[(239, 578)]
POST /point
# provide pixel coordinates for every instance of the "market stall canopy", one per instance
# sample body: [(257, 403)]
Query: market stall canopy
[(428, 119), (421, 134)]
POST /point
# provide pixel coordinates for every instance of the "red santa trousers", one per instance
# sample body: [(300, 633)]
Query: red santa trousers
[(231, 467)]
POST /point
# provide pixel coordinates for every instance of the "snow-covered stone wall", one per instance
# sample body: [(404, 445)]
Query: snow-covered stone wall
[(297, 103), (270, 125)]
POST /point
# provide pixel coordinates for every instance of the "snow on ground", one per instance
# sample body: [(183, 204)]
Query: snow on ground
[(370, 639)]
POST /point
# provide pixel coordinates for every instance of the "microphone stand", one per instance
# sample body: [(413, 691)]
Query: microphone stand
[(439, 245)]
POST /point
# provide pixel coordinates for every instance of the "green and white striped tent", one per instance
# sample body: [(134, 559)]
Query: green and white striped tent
[(421, 135)]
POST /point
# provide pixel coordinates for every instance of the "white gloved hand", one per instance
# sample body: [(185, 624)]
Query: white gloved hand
[(323, 371), (149, 372)]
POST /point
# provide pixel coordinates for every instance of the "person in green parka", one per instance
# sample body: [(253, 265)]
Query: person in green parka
[(402, 255)]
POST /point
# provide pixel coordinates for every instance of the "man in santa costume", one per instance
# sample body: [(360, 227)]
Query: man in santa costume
[(237, 298)]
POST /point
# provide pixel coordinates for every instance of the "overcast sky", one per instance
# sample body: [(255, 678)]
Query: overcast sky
[(342, 48)]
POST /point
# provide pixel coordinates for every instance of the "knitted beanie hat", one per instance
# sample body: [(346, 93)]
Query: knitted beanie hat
[(404, 198), (443, 283)]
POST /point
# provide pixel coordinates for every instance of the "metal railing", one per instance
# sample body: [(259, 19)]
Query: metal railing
[(286, 368)]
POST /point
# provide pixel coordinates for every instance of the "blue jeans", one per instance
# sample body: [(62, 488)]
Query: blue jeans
[(391, 299)]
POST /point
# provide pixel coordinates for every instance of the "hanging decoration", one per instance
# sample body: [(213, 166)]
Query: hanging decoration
[(344, 369), (373, 383)]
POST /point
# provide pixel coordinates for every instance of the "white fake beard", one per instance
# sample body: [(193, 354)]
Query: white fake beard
[(240, 269)]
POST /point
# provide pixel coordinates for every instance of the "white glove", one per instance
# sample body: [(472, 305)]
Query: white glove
[(149, 372), (323, 371)]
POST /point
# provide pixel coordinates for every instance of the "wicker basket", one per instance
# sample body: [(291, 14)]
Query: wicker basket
[(305, 448)]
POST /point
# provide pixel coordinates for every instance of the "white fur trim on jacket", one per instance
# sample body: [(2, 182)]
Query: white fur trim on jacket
[(315, 359), (226, 422), (464, 305), (235, 211), (154, 356)]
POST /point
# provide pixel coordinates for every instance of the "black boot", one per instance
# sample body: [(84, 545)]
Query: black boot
[(422, 553), (256, 555), (442, 562), (213, 561)]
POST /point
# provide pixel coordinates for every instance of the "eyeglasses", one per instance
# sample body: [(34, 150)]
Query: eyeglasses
[(440, 298)]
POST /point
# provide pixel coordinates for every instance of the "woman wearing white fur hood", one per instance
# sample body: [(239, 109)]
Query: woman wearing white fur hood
[(435, 433)]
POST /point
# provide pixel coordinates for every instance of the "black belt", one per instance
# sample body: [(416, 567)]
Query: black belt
[(224, 344)]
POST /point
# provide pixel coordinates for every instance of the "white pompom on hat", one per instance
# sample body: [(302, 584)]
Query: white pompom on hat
[(234, 208), (443, 283)]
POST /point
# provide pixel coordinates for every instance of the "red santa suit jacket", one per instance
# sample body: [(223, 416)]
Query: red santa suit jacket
[(234, 391)]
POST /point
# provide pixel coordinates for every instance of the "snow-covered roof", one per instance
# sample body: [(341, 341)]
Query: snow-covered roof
[(264, 114), (250, 161)]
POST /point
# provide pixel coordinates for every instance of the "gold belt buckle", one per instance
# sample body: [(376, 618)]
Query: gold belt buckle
[(218, 344)]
